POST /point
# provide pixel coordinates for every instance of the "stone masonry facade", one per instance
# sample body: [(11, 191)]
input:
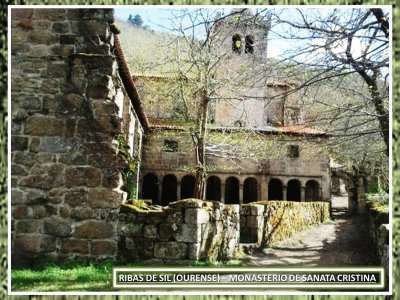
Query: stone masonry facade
[(68, 108)]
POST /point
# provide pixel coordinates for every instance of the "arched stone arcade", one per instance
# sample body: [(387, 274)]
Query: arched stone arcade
[(163, 188)]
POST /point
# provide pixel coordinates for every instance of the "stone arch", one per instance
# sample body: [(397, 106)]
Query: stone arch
[(312, 191), (249, 44), (150, 187), (232, 190), (169, 189), (355, 191), (213, 188), (275, 191), (237, 43), (294, 190), (250, 190), (187, 186)]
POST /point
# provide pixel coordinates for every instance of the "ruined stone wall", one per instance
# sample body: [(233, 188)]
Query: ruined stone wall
[(66, 102), (274, 221), (184, 232)]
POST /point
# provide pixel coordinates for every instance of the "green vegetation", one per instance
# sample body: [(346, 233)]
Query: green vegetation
[(69, 276)]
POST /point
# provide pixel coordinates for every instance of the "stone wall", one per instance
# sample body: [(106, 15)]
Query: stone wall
[(184, 232), (66, 101), (380, 233), (274, 221)]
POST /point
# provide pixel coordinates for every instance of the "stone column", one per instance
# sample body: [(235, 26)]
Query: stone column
[(241, 193), (159, 184), (284, 192), (222, 192), (178, 190), (303, 194), (264, 189)]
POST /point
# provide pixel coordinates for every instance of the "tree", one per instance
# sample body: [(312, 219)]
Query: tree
[(336, 43), (136, 20)]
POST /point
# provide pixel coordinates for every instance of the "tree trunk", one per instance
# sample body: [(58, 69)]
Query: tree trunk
[(199, 142)]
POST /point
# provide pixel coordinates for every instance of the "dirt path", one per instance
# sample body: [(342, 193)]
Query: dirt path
[(342, 242)]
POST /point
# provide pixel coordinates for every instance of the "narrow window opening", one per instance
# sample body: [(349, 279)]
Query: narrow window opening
[(170, 146), (237, 43), (249, 47), (294, 151)]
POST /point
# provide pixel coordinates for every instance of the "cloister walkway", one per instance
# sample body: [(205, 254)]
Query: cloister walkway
[(344, 241)]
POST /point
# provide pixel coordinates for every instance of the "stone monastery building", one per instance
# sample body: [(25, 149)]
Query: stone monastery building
[(80, 120), (291, 168)]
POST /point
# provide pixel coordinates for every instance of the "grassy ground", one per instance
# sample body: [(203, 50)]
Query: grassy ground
[(68, 277)]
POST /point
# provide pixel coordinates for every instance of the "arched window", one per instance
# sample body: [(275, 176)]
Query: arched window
[(250, 190), (213, 188), (169, 189), (312, 191), (187, 187), (232, 190), (237, 43), (275, 189), (150, 188), (249, 47), (294, 190)]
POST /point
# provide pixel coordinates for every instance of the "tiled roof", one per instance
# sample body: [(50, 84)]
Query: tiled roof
[(129, 83), (293, 129)]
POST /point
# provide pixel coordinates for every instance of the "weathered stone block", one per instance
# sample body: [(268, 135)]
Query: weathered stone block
[(18, 170), (34, 145), (112, 178), (29, 226), (74, 246), (194, 250), (75, 197), (103, 248), (74, 158), (139, 243), (59, 144), (150, 231), (35, 196), (174, 217), (19, 143), (167, 231), (64, 211), (196, 216), (61, 27), (35, 243), (82, 176), (17, 196), (24, 158), (42, 181), (57, 227), (39, 211), (94, 230), (257, 210), (132, 230), (104, 198), (170, 250), (50, 14), (22, 212), (188, 233), (82, 213), (38, 125)]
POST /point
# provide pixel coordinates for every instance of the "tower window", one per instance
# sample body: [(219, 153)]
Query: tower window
[(293, 151), (237, 43), (249, 47), (170, 146)]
